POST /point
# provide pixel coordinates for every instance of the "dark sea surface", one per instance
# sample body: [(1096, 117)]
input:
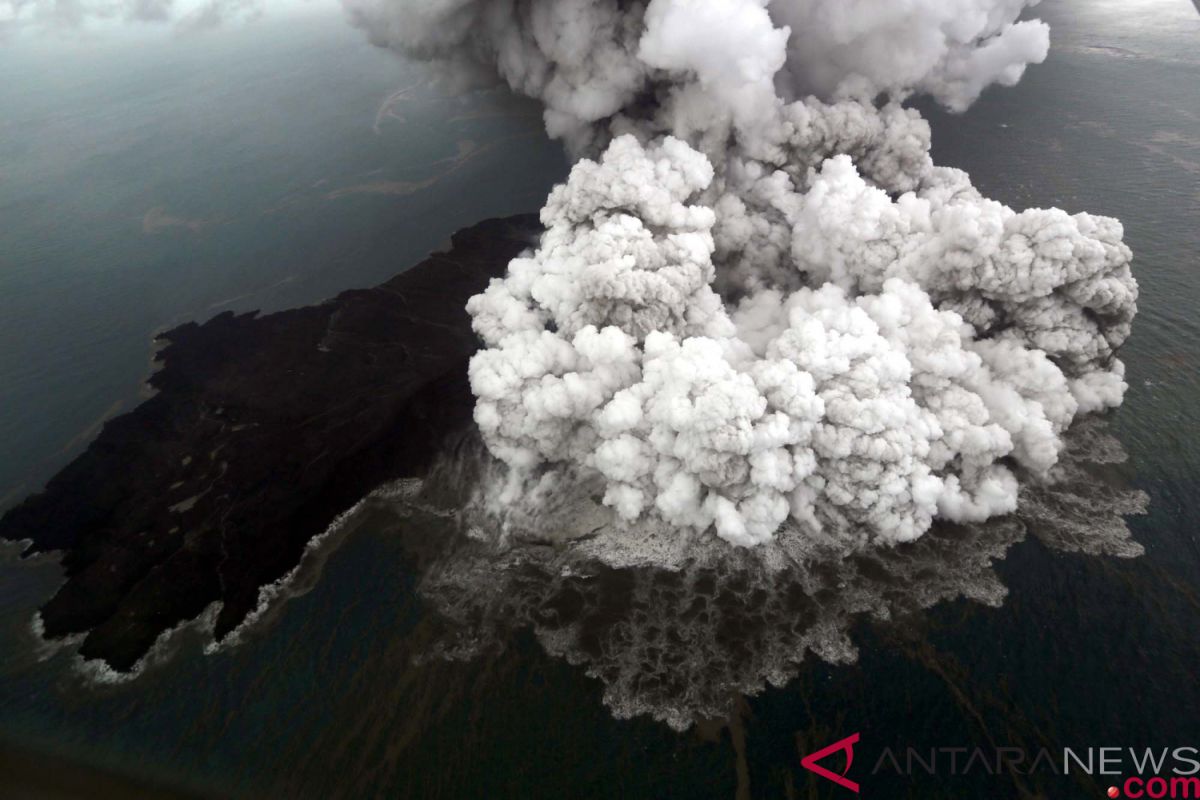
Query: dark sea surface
[(324, 698)]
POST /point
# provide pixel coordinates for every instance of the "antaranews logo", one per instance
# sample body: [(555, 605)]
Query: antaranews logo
[(1165, 772), (809, 762)]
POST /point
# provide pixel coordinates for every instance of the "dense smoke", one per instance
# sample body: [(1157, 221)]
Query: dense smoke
[(758, 305)]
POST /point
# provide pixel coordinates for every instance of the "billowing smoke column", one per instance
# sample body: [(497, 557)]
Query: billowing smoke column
[(762, 306)]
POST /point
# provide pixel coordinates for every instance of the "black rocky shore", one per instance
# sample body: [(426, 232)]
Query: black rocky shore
[(263, 430)]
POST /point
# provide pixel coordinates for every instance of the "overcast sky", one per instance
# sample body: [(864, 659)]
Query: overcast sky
[(94, 20)]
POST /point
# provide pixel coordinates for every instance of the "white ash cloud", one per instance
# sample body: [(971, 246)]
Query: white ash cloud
[(950, 49), (758, 304)]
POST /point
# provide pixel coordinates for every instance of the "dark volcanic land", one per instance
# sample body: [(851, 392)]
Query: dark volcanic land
[(264, 429)]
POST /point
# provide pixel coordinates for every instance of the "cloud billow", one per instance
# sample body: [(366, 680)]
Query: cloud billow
[(759, 308)]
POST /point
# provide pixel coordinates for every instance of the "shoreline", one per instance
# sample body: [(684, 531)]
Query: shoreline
[(262, 431)]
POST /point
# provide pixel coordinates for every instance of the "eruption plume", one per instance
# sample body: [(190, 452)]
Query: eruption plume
[(759, 308)]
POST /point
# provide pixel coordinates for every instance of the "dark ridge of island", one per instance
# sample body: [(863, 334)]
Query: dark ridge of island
[(263, 430)]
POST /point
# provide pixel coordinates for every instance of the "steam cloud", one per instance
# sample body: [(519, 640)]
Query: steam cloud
[(758, 305)]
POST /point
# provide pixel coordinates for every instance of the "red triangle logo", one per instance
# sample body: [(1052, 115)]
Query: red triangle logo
[(809, 762)]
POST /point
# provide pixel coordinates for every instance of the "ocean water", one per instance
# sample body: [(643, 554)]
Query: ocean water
[(149, 181), (331, 695)]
